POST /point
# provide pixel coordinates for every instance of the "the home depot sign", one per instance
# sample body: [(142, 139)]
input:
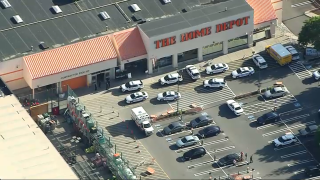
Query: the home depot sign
[(202, 32)]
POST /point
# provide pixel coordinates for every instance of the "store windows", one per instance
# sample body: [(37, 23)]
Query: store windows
[(212, 48), (260, 34), (188, 55), (163, 62), (240, 41)]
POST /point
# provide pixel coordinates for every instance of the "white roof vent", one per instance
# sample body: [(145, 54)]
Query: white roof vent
[(104, 15), (18, 19), (56, 9), (5, 3), (135, 7), (166, 1)]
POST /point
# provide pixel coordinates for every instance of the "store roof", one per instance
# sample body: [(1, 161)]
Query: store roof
[(77, 22), (195, 17), (130, 43), (26, 153), (70, 57), (263, 11)]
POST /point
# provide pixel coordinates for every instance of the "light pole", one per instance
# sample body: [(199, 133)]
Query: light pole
[(178, 92)]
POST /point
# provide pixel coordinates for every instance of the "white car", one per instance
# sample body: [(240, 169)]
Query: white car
[(193, 72), (168, 96), (132, 86), (235, 107), (287, 139), (259, 61), (276, 92), (215, 83), (294, 52), (136, 97), (242, 72), (316, 74), (217, 68), (170, 79), (187, 141)]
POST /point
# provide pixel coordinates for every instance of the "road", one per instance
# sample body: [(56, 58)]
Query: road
[(293, 13)]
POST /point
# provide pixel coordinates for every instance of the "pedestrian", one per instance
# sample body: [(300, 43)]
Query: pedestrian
[(191, 131), (251, 161), (108, 81), (107, 86), (246, 155), (241, 156), (202, 142), (95, 87)]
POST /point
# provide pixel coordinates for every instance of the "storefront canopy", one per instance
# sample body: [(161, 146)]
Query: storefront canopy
[(70, 57)]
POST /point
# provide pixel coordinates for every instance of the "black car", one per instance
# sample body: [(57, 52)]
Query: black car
[(194, 153), (228, 159), (209, 131), (269, 117), (312, 171), (173, 128), (203, 120)]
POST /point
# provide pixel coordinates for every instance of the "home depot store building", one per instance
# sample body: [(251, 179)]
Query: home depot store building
[(196, 34)]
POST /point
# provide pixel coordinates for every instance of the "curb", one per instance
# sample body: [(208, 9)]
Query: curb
[(246, 95), (311, 14)]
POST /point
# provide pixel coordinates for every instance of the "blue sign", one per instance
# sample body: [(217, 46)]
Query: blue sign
[(169, 139), (297, 104), (251, 118)]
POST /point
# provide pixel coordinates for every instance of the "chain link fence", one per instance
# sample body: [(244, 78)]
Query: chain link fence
[(102, 143)]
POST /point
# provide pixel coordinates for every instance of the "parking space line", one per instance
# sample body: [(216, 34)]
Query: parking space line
[(298, 172), (174, 133), (314, 178), (285, 129), (207, 172), (200, 164), (300, 162), (221, 149), (291, 111), (283, 121), (286, 147), (294, 154), (204, 144), (234, 95)]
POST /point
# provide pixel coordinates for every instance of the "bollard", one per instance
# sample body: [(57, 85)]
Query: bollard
[(112, 109), (138, 151), (118, 114)]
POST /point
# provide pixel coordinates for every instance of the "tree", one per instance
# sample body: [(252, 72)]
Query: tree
[(310, 33)]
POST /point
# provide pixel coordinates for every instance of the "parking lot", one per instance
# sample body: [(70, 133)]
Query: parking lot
[(297, 110)]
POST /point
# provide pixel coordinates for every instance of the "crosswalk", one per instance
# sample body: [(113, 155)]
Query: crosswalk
[(300, 70), (302, 3), (270, 104)]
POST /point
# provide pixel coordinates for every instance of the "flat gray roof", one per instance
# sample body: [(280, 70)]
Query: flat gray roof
[(201, 15), (78, 21)]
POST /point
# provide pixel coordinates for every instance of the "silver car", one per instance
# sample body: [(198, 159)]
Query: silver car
[(276, 92), (187, 141)]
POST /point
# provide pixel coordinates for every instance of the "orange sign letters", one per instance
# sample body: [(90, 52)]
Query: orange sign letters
[(201, 33)]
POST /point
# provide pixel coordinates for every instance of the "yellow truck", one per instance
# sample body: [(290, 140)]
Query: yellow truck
[(279, 53)]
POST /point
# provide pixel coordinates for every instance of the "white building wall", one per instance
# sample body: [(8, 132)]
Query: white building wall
[(74, 73), (277, 6), (11, 72), (201, 41)]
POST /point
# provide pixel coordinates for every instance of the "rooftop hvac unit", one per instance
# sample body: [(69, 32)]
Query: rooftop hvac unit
[(5, 4), (18, 19), (135, 7), (104, 15), (56, 9)]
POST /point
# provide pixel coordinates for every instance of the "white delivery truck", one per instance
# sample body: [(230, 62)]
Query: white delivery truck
[(142, 119)]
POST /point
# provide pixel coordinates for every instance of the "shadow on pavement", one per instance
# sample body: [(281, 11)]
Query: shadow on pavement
[(173, 147), (123, 103), (159, 134), (225, 112), (180, 159), (254, 124), (118, 92), (154, 101), (309, 81), (201, 89)]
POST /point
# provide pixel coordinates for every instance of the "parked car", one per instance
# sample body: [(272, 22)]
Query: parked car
[(312, 171), (215, 83), (168, 96), (259, 61), (267, 118), (202, 120), (217, 68), (242, 72), (294, 53), (316, 74), (193, 72), (286, 139), (235, 107), (171, 79), (309, 130), (194, 153), (132, 86), (276, 92), (187, 141), (228, 159), (173, 128), (209, 131), (136, 97)]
